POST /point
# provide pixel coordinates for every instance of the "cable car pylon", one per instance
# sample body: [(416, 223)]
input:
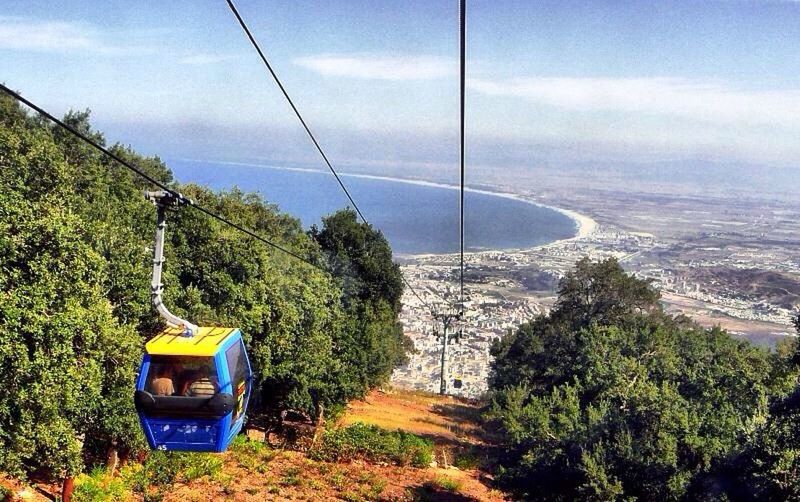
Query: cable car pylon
[(447, 319), (456, 314)]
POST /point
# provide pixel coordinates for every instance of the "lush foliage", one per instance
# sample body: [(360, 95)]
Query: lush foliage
[(75, 258), (608, 397), (769, 467), (373, 343), (67, 358), (152, 478), (374, 443), (362, 257), (98, 486)]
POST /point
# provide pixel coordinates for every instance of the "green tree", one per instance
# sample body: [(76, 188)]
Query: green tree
[(63, 355), (75, 258), (769, 466), (543, 352), (372, 343), (361, 257), (608, 397)]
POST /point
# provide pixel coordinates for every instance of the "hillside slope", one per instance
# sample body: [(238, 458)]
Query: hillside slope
[(252, 471)]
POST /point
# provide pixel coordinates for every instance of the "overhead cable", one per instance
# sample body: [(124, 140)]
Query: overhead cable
[(277, 80), (152, 180), (294, 108), (463, 63)]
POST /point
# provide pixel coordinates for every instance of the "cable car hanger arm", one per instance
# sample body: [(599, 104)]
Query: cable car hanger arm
[(162, 200)]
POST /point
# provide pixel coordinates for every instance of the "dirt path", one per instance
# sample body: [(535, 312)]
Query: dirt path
[(462, 449)]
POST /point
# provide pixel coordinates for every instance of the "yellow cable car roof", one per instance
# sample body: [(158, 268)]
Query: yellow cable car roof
[(206, 342)]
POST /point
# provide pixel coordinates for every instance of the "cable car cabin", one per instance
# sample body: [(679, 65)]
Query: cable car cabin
[(192, 391)]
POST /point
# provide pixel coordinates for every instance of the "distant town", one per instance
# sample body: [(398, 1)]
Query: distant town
[(731, 265)]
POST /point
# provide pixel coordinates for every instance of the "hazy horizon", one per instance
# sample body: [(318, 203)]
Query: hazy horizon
[(704, 92)]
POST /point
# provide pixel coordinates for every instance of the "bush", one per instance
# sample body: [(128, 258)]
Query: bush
[(165, 468), (371, 442), (467, 460), (250, 455), (98, 486)]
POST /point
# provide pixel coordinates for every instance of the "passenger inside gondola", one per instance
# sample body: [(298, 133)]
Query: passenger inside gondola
[(182, 376), (164, 382), (203, 386)]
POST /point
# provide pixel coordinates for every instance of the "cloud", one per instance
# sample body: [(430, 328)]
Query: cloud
[(206, 59), (379, 67), (698, 100), (25, 34)]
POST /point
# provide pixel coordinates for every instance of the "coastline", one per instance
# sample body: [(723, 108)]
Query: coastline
[(584, 225)]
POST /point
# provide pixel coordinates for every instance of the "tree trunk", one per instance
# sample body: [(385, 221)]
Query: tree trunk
[(113, 459), (67, 488), (319, 426)]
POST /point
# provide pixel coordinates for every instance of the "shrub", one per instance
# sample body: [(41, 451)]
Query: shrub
[(467, 460), (449, 484), (98, 486), (374, 443), (165, 468), (198, 465)]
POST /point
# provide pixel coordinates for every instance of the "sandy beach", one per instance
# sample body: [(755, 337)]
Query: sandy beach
[(584, 225)]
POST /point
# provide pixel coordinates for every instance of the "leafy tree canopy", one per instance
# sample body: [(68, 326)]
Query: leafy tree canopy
[(75, 259), (608, 397)]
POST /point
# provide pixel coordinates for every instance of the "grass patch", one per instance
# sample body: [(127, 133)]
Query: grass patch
[(199, 465), (373, 443), (251, 455), (376, 488), (338, 480), (291, 477), (445, 483), (366, 477), (352, 497), (241, 444), (467, 460), (372, 485)]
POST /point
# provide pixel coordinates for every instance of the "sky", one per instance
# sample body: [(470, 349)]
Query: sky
[(563, 82)]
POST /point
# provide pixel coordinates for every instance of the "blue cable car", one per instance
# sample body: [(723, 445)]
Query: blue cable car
[(192, 392), (194, 382)]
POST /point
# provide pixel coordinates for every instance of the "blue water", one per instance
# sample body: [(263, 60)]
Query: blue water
[(415, 219)]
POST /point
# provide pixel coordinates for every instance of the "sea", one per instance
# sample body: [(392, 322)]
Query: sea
[(415, 218)]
